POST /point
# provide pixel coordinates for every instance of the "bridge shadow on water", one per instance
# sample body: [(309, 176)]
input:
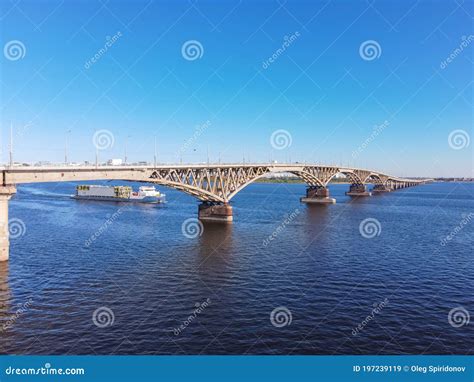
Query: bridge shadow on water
[(316, 220), (216, 243), (319, 220), (5, 304)]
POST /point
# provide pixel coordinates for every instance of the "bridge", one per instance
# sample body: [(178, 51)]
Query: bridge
[(213, 184)]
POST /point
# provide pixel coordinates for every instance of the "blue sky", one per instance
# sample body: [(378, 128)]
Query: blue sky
[(321, 88)]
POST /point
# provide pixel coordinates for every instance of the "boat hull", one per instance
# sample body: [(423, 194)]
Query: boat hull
[(146, 199)]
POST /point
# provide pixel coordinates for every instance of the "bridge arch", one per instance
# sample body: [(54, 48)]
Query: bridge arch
[(375, 178), (219, 184), (308, 178), (221, 187), (353, 177), (197, 192)]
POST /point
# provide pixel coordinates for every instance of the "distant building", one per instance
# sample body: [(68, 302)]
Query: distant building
[(115, 162), (43, 163)]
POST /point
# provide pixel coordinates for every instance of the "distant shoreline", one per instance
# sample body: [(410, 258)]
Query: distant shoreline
[(301, 181), (291, 180)]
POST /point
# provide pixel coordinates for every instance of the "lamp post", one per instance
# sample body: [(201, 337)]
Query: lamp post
[(154, 153), (66, 147), (11, 144), (126, 142)]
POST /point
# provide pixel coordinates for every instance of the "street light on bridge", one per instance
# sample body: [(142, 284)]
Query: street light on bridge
[(154, 152), (126, 141), (11, 144), (66, 147)]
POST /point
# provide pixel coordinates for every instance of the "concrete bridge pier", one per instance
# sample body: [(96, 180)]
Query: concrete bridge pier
[(215, 212), (358, 190), (317, 195), (380, 188), (6, 192)]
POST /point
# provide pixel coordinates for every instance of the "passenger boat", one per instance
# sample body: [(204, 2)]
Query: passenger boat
[(145, 194)]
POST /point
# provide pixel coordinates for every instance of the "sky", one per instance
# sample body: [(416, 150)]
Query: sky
[(385, 85)]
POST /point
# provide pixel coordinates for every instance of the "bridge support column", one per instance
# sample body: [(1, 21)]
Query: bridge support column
[(6, 192), (317, 195), (380, 188), (215, 212), (358, 190)]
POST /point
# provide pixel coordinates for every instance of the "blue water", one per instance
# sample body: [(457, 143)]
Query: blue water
[(151, 278)]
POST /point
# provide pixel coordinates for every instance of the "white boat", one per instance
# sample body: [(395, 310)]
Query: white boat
[(145, 194)]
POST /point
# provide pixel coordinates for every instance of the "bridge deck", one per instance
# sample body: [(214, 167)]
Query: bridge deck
[(31, 174)]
